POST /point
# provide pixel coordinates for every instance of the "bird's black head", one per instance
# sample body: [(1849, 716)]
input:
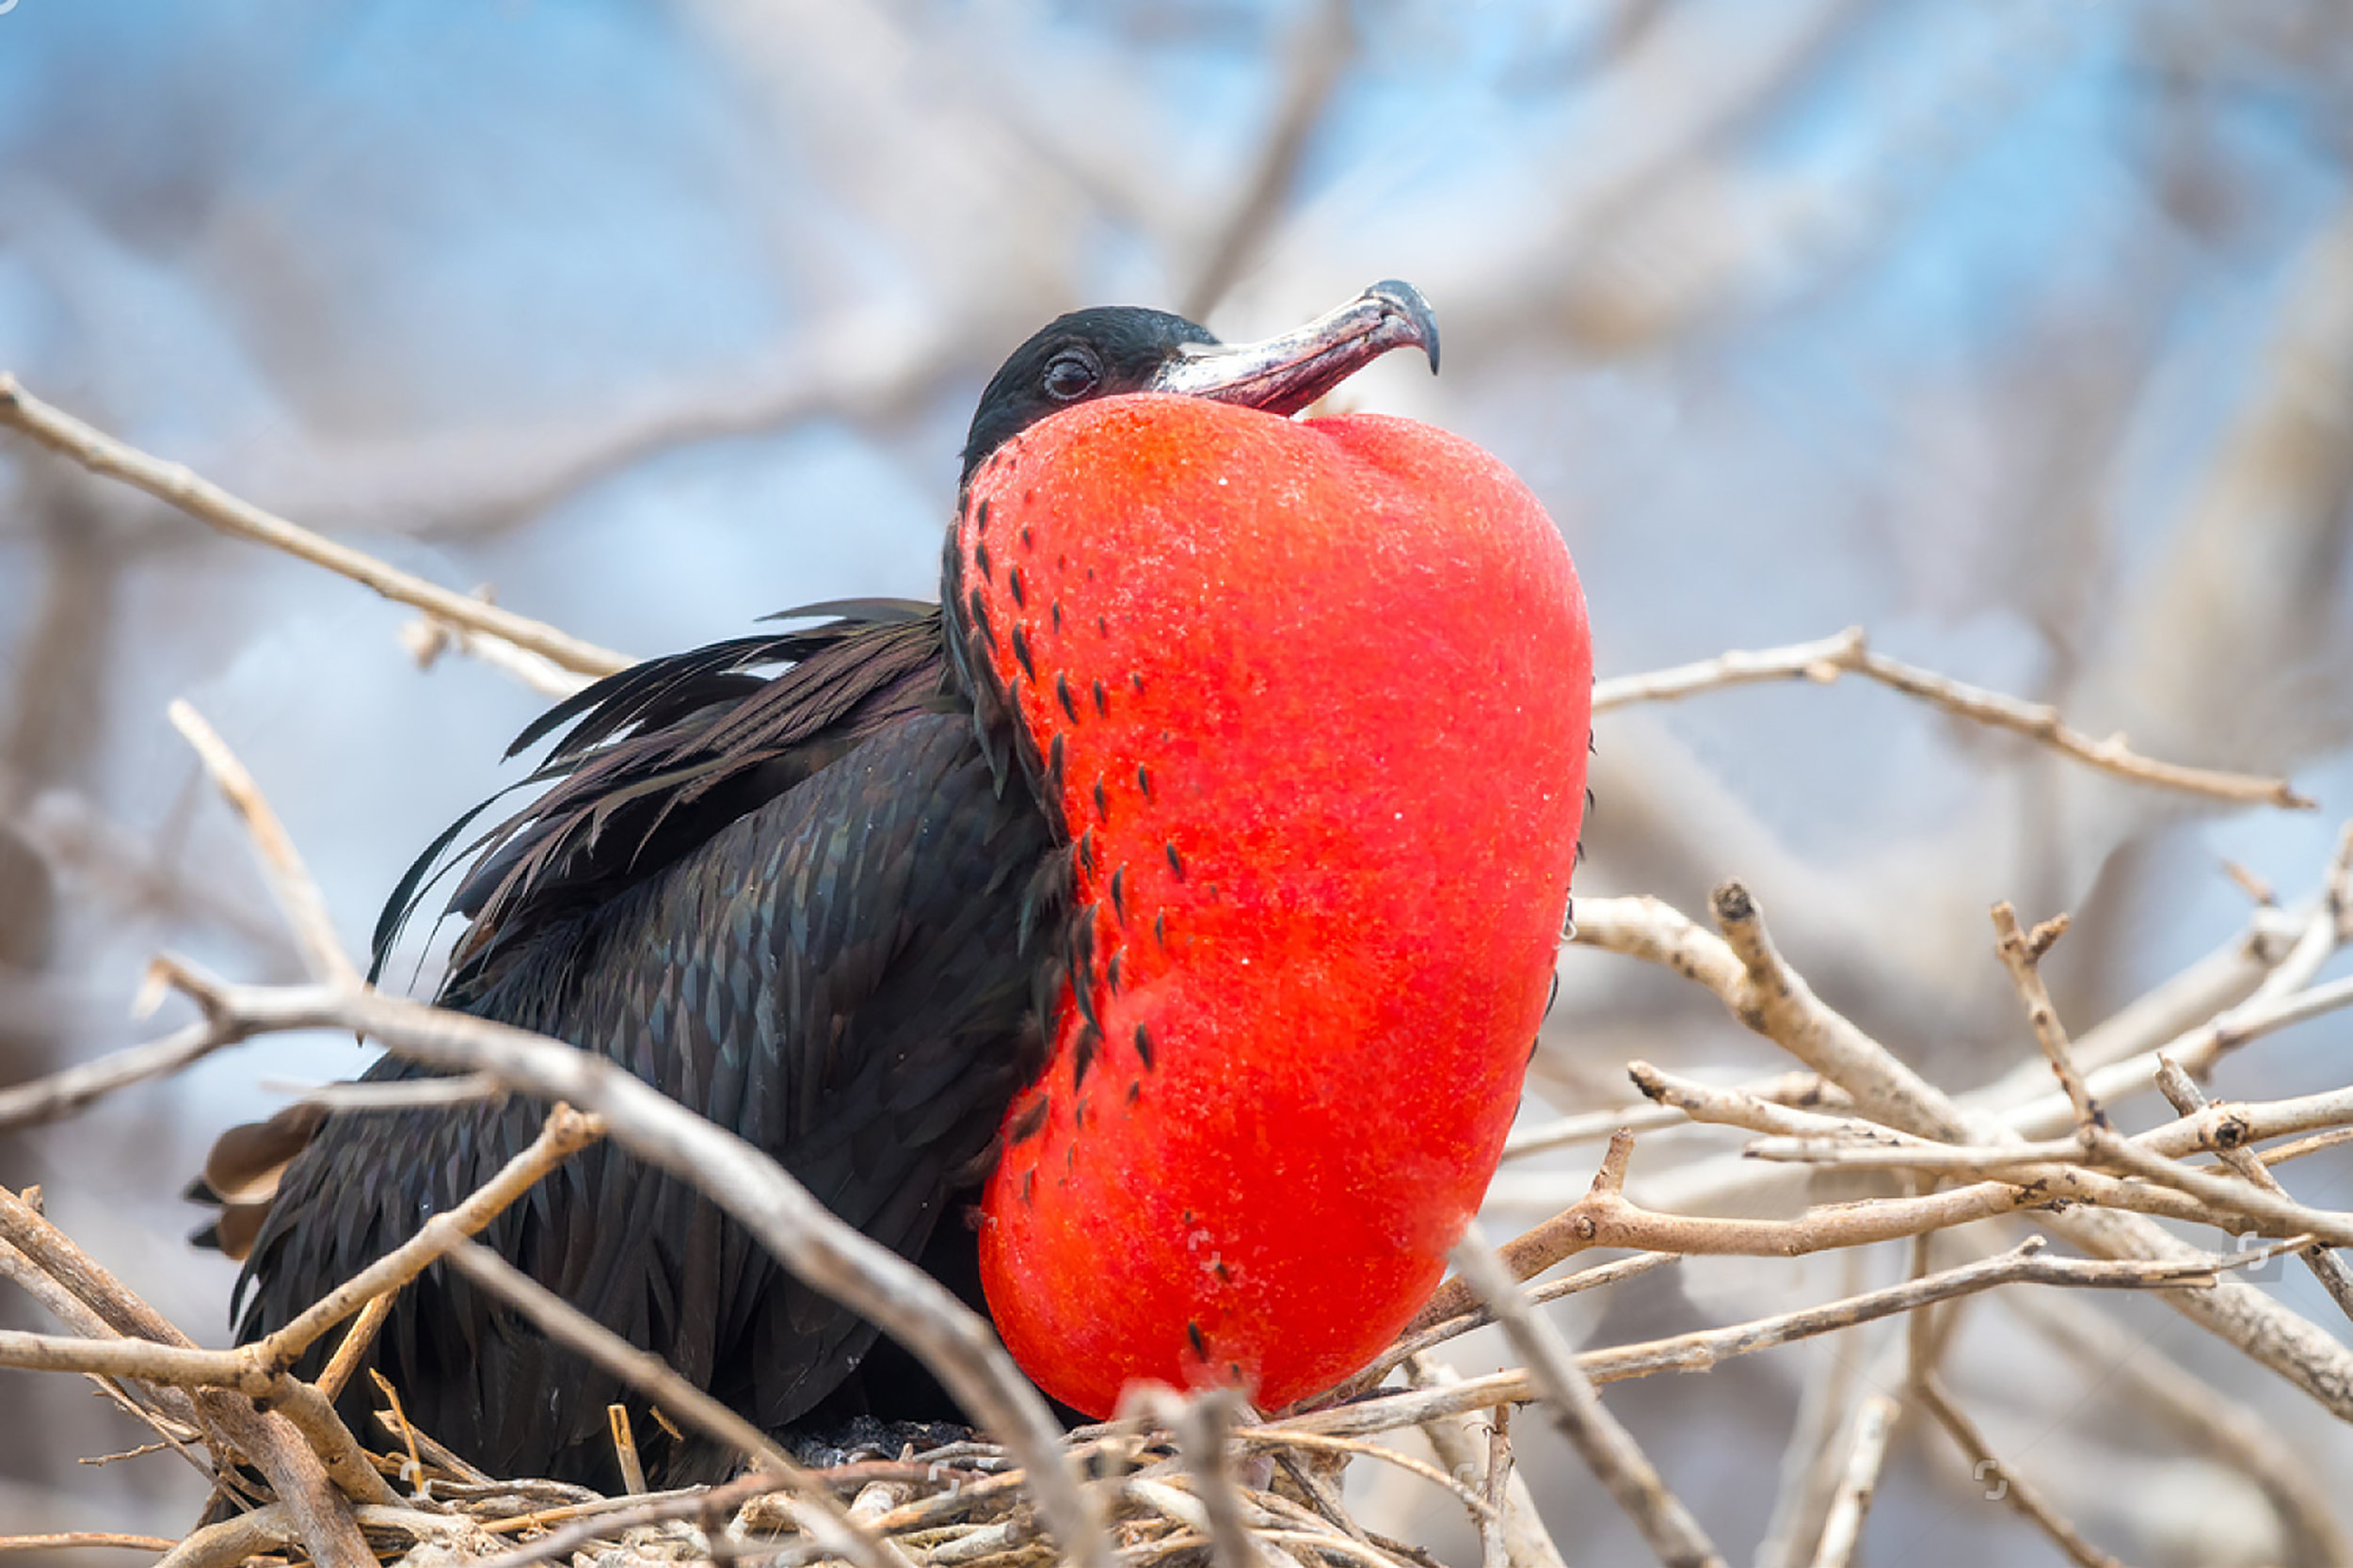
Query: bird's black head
[(1125, 348), (1075, 358)]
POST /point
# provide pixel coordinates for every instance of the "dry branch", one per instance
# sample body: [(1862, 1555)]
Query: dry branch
[(1850, 652), (2010, 1486), (1702, 1349), (1874, 1423), (208, 504), (315, 1469), (820, 1513), (1607, 1448), (2261, 1328)]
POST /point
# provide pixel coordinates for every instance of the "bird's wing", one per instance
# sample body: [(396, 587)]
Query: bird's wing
[(835, 974)]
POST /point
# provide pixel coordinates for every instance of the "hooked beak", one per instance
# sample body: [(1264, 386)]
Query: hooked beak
[(1283, 374)]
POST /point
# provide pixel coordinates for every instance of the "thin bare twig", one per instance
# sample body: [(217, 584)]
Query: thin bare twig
[(564, 1133), (1526, 1541), (2325, 1266), (822, 1514), (1607, 1447), (1874, 1423), (1850, 652), (2246, 1318), (208, 504), (2008, 1485), (1703, 1348)]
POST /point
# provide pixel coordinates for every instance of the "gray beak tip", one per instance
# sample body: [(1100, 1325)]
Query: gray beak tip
[(1407, 301)]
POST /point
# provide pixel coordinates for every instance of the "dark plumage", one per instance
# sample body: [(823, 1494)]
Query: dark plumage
[(823, 906), (793, 906)]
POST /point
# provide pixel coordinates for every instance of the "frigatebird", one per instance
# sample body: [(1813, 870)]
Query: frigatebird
[(954, 910)]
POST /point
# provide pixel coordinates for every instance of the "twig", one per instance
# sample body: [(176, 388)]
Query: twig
[(1494, 1549), (76, 1539), (62, 1093), (2010, 1486), (428, 638), (625, 1451), (2021, 955), (2302, 1146), (1703, 1348), (558, 1545), (1874, 1421), (412, 1470), (396, 1095), (824, 1518), (1673, 1535), (298, 897), (2217, 1127), (1454, 1439), (564, 1133), (1276, 1438), (1592, 1127), (2325, 1266), (1850, 652), (285, 1427), (208, 504), (1438, 1333), (354, 1344), (2241, 1316)]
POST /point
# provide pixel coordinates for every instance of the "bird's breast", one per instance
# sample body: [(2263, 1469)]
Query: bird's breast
[(1311, 699)]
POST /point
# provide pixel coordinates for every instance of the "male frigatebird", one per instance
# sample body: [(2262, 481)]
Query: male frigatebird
[(1153, 934)]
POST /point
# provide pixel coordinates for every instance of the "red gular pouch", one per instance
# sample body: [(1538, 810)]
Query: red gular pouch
[(1311, 699)]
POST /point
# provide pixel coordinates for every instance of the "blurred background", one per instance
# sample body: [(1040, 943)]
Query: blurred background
[(2019, 332)]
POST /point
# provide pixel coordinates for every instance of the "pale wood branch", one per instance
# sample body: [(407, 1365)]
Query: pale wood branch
[(283, 1427), (1824, 661), (210, 504), (2261, 1327), (2007, 1484), (1874, 1423), (1607, 1448), (821, 1513), (1703, 1348)]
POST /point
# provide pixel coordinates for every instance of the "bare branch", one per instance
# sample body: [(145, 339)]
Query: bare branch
[(1849, 652), (2008, 1484), (62, 1093), (565, 1133), (298, 897), (215, 507), (1874, 1423), (2266, 1331), (1703, 1348), (1608, 1447), (823, 1517), (312, 1469), (1455, 1440)]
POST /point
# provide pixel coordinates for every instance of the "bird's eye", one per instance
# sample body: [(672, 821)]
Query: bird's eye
[(1070, 375)]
